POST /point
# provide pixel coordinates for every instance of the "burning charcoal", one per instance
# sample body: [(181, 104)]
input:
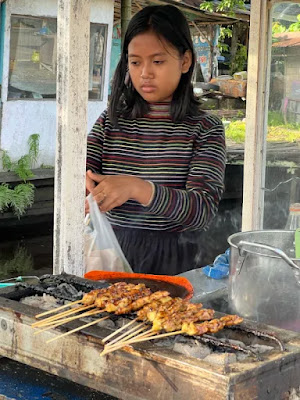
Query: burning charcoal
[(45, 302), (194, 349), (221, 358)]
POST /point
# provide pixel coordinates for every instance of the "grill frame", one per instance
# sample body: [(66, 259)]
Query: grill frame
[(145, 372)]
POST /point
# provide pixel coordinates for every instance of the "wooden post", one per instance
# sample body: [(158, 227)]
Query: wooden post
[(256, 117), (125, 17), (73, 31)]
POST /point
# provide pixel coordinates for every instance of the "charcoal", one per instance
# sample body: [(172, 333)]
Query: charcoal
[(45, 302), (192, 350), (261, 348), (107, 323), (166, 342), (122, 321)]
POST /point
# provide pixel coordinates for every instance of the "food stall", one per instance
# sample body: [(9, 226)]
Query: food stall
[(251, 360)]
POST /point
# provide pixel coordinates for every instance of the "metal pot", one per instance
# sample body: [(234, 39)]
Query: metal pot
[(264, 278)]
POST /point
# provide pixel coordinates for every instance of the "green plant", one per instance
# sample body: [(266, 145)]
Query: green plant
[(240, 59), (21, 263), (20, 197), (277, 27), (295, 27), (224, 33), (226, 6), (236, 131)]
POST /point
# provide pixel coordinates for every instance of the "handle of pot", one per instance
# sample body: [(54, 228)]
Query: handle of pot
[(279, 252)]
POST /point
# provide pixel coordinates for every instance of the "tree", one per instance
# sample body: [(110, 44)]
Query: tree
[(226, 6)]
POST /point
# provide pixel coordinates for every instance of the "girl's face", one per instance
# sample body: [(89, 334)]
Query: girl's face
[(155, 66)]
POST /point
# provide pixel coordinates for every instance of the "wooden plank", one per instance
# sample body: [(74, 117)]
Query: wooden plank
[(73, 30), (40, 173)]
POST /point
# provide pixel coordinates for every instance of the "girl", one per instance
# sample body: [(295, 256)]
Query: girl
[(155, 162)]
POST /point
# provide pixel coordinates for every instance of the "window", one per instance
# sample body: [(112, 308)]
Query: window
[(33, 59), (98, 35), (282, 186), (32, 64)]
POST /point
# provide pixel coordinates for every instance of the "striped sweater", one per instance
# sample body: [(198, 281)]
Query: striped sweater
[(185, 161)]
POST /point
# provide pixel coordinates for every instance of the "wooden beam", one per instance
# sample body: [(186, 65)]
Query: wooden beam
[(126, 14), (256, 113), (73, 31)]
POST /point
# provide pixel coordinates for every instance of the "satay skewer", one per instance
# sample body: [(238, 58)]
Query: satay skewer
[(189, 328), (119, 306), (140, 338), (127, 335), (102, 298), (66, 320), (119, 330), (57, 309), (60, 316), (136, 292), (78, 329)]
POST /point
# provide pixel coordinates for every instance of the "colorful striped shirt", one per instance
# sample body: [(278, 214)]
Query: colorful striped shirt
[(184, 160)]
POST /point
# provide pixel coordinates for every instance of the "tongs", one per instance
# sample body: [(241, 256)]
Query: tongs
[(13, 281)]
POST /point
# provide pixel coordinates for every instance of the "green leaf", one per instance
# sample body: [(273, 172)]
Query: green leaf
[(23, 197), (33, 143), (5, 196), (22, 168), (6, 161), (207, 6)]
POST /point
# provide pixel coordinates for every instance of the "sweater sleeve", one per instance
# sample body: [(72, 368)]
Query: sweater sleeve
[(194, 206), (95, 145)]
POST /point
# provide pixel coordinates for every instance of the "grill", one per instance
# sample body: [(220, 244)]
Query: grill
[(251, 361)]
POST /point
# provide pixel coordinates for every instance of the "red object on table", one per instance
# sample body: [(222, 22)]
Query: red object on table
[(180, 286)]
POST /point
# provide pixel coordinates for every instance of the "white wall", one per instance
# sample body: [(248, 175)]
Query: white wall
[(21, 118)]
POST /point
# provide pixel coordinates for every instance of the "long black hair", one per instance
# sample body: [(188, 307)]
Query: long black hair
[(169, 23)]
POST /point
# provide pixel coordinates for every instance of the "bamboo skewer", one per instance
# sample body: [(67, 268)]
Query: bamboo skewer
[(58, 308), (78, 329), (118, 330), (66, 320), (141, 339), (48, 320), (128, 334), (122, 343)]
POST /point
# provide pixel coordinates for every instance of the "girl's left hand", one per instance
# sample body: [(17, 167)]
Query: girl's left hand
[(114, 190)]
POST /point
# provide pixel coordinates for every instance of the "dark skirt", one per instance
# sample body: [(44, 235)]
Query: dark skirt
[(156, 252)]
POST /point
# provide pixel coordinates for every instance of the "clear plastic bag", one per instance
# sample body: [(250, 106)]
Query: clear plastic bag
[(102, 249)]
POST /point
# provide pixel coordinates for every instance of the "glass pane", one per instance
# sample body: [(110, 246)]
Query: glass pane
[(97, 61), (282, 187), (32, 64)]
